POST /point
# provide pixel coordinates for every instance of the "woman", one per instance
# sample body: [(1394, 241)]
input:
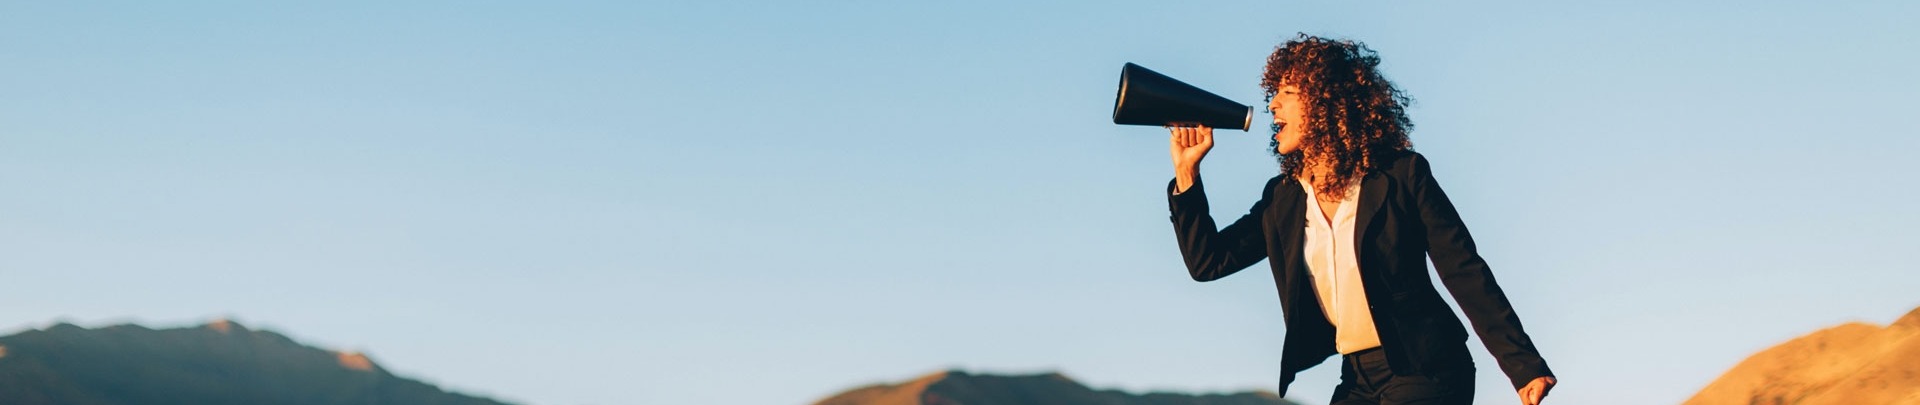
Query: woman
[(1347, 228)]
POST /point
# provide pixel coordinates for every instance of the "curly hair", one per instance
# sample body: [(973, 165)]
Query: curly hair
[(1355, 117)]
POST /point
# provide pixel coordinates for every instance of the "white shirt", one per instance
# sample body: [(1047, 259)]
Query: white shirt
[(1336, 271)]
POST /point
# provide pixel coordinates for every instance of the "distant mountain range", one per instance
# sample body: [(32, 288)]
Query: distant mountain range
[(219, 363), (961, 388), (1854, 363), (224, 363)]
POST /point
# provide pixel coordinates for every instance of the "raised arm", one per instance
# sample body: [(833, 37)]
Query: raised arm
[(1210, 253)]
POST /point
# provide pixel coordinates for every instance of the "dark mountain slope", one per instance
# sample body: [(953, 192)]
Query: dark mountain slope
[(219, 363), (960, 388)]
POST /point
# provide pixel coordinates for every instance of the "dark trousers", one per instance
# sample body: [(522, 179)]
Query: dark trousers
[(1365, 379)]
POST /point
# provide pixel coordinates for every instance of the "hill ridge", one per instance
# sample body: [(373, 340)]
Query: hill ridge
[(1849, 363), (955, 386), (216, 363)]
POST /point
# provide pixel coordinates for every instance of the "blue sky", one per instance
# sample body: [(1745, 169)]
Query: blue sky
[(744, 202)]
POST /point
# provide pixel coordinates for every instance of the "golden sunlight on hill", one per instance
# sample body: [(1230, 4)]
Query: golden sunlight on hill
[(907, 393), (1854, 363), (221, 325), (354, 361)]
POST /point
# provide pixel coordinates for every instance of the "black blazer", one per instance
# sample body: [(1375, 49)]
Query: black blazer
[(1403, 219)]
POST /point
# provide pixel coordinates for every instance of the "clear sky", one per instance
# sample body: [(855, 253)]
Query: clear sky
[(674, 202)]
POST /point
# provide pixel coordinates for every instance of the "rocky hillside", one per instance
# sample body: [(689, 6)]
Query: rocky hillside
[(214, 364), (1854, 363), (960, 388)]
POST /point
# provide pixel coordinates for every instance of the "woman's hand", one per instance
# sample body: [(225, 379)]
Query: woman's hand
[(1188, 145), (1536, 390)]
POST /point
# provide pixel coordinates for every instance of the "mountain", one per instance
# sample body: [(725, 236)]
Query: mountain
[(961, 388), (214, 364), (1854, 363)]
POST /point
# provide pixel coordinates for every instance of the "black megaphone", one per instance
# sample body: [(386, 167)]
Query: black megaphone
[(1150, 98)]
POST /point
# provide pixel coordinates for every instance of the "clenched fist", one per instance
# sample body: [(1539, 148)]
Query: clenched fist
[(1188, 145)]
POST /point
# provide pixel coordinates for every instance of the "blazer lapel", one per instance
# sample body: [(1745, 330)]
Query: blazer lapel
[(1373, 191), (1292, 221)]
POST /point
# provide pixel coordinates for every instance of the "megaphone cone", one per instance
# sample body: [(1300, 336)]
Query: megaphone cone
[(1147, 97)]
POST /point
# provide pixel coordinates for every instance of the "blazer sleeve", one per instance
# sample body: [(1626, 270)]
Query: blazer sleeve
[(1211, 254), (1471, 282)]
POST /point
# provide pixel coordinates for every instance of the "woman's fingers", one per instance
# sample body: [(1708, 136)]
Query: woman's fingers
[(1536, 390), (1185, 136), (1189, 136)]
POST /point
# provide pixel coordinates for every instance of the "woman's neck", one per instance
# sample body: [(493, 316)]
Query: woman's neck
[(1314, 173)]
